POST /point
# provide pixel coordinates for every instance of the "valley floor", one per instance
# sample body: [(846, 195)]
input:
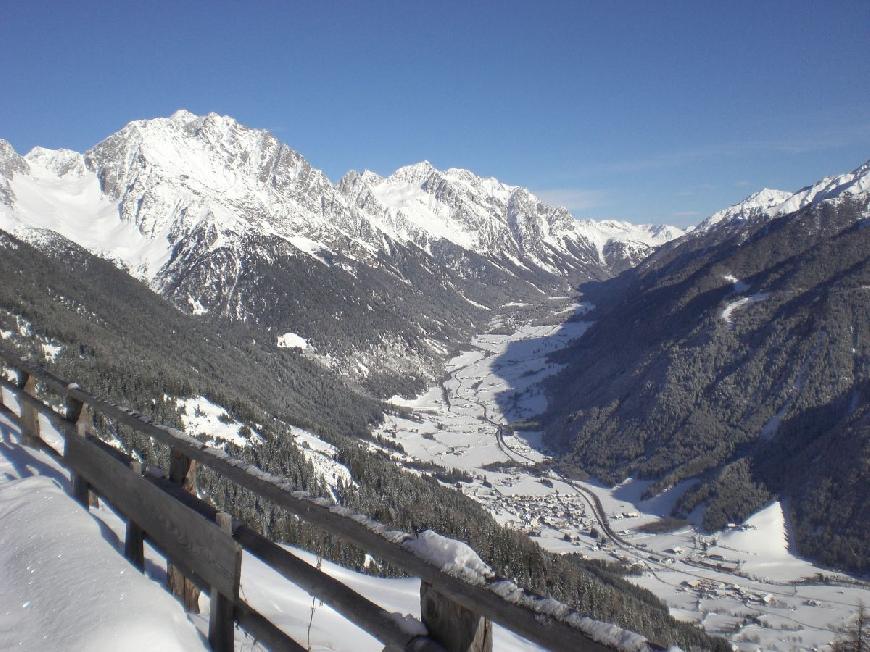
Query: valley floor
[(743, 583)]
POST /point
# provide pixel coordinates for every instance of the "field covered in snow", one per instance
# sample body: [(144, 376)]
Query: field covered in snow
[(743, 583)]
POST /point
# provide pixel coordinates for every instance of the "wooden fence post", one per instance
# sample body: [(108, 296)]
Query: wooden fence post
[(29, 415), (221, 624), (452, 625), (82, 416), (182, 471), (134, 540)]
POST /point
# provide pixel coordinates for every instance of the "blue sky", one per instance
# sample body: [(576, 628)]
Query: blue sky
[(647, 111)]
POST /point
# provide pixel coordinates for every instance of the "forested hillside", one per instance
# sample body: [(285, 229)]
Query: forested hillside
[(739, 357), (90, 322)]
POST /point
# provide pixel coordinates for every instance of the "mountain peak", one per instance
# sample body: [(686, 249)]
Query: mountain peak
[(183, 115), (10, 158), (761, 202), (416, 172), (61, 162), (182, 172), (768, 195), (856, 182)]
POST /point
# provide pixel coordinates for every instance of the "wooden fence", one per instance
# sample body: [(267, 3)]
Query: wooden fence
[(205, 546)]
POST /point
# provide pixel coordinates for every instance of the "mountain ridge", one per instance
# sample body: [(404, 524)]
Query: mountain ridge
[(769, 202), (229, 223), (736, 358)]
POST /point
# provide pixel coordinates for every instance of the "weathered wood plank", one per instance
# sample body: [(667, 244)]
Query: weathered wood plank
[(74, 410), (42, 444), (181, 533), (182, 471), (81, 416), (29, 415), (355, 607), (358, 609), (134, 540), (455, 627), (57, 422), (220, 618)]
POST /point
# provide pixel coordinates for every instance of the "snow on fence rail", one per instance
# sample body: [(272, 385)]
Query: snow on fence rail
[(460, 595)]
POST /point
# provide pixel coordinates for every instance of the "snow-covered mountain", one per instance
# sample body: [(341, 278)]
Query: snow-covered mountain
[(227, 220), (759, 203), (851, 184), (176, 176), (170, 177), (53, 190), (419, 203), (773, 203)]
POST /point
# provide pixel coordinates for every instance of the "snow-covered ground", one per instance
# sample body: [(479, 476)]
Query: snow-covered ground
[(742, 302), (68, 200), (743, 583), (199, 416), (64, 584), (456, 423), (292, 341)]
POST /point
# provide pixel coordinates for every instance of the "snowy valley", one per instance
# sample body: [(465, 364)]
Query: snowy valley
[(744, 583)]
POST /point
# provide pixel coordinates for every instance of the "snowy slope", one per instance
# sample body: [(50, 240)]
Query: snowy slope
[(64, 587), (63, 584), (54, 191), (763, 202), (851, 184)]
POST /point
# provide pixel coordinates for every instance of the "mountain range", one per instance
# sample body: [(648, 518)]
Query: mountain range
[(377, 277)]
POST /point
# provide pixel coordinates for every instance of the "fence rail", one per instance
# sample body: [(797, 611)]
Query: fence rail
[(206, 545)]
